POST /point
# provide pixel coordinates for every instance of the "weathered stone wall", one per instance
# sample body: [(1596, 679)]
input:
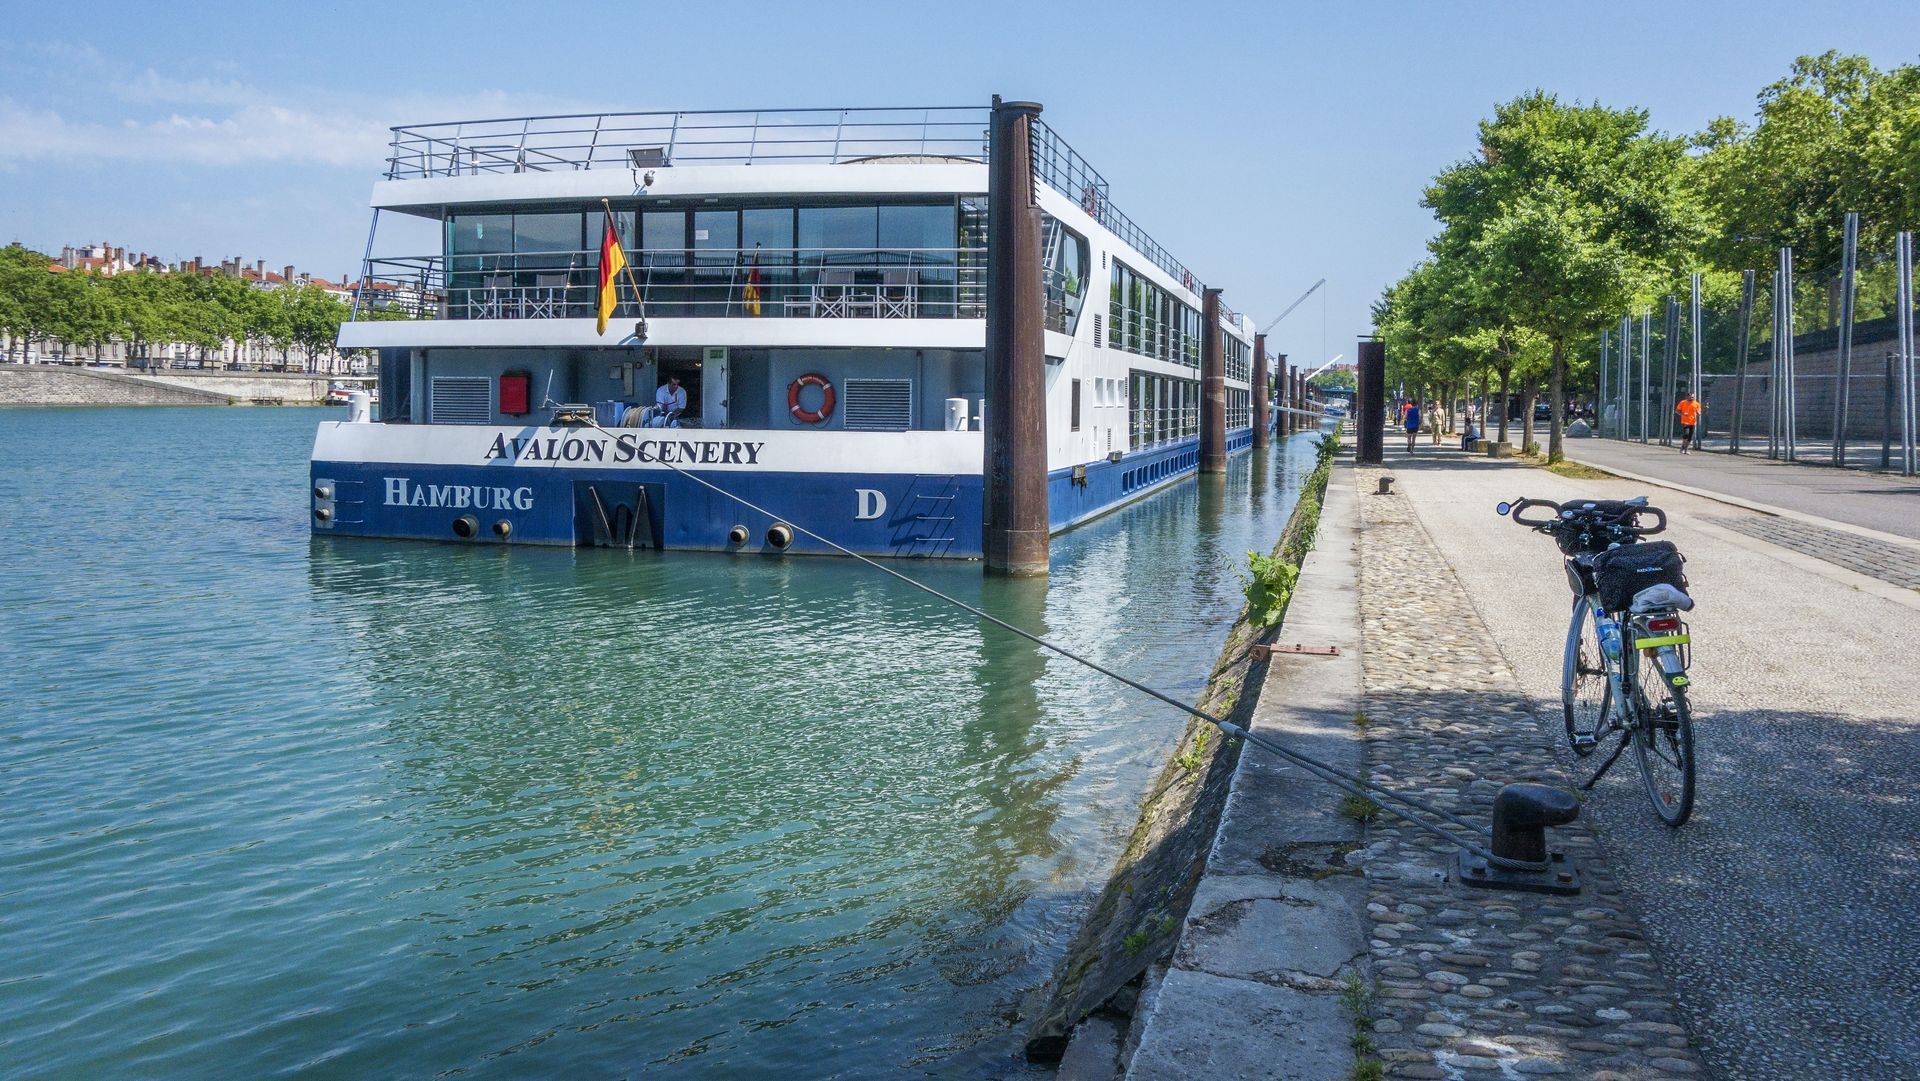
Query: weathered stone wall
[(48, 384), (56, 384), (1138, 915), (274, 388)]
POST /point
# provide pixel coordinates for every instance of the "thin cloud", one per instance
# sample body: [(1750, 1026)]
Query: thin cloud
[(249, 133), (222, 122)]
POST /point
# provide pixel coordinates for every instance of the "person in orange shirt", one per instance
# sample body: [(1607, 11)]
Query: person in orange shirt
[(1688, 409)]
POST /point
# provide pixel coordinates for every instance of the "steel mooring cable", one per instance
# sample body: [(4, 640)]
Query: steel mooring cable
[(1352, 784)]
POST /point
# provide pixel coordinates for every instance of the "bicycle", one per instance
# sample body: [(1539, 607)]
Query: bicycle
[(1624, 590)]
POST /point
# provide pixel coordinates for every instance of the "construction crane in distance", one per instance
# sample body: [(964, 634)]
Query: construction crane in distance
[(1311, 289)]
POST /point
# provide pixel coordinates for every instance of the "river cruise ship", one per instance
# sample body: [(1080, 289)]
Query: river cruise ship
[(801, 322)]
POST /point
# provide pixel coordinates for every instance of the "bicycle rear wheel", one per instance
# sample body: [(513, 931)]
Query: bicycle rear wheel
[(1663, 742), (1585, 695)]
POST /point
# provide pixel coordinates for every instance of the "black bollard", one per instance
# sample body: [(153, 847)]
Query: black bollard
[(1521, 815)]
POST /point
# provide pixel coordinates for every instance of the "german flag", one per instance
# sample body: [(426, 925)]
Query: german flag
[(752, 294), (613, 260)]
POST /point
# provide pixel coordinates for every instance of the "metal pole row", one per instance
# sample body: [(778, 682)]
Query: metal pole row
[(1786, 356), (1606, 358), (1694, 385), (1646, 367), (1669, 370), (1626, 360), (1904, 316), (1774, 363), (1842, 393), (1743, 341)]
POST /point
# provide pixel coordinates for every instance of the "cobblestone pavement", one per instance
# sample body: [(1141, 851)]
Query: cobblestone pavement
[(1477, 982), (1786, 914), (1890, 563)]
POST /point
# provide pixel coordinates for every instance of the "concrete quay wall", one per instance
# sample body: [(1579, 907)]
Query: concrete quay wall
[(275, 388), (46, 384), (52, 384)]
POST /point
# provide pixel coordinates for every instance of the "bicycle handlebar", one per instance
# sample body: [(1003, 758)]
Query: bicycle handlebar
[(1626, 521)]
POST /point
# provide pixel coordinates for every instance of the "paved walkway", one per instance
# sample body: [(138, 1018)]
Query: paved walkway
[(1786, 914), (1878, 501), (1479, 982)]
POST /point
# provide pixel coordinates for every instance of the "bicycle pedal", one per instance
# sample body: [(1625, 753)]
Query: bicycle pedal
[(1585, 741)]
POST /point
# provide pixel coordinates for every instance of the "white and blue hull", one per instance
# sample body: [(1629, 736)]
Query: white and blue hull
[(920, 496)]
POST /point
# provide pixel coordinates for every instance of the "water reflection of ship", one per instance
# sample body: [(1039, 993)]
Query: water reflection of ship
[(770, 761)]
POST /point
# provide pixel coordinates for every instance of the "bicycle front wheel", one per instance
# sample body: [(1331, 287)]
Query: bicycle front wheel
[(1663, 741), (1584, 691)]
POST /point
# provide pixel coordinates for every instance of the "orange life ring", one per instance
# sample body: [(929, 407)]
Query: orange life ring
[(810, 416)]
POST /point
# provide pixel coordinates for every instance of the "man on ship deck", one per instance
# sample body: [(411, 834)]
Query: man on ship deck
[(668, 403)]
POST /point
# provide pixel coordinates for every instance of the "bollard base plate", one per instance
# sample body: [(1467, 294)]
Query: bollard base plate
[(1560, 877)]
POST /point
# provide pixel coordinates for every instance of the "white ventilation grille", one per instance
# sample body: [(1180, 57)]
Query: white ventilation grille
[(879, 405), (1099, 329), (461, 399)]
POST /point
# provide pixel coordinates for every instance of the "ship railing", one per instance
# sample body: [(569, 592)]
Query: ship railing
[(1062, 168), (703, 137), (647, 140), (763, 283)]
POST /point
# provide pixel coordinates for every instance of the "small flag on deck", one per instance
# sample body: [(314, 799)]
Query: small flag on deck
[(613, 260), (752, 293)]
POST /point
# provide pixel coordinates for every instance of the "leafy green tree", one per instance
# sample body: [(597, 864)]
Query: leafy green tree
[(314, 317), (1565, 211), (1834, 135), (1335, 379)]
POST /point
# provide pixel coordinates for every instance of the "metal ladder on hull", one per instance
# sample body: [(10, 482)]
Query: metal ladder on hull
[(925, 526)]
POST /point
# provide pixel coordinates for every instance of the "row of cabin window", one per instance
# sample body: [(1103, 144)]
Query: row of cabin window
[(1161, 409), (1234, 353), (1239, 408), (662, 228), (1146, 320)]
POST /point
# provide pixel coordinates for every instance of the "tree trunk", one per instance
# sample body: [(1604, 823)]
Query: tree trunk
[(1557, 402), (1529, 390), (1486, 374), (1506, 399)]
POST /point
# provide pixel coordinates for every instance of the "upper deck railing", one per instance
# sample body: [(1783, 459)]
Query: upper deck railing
[(646, 140)]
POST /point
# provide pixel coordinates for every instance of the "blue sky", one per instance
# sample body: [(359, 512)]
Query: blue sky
[(1265, 145)]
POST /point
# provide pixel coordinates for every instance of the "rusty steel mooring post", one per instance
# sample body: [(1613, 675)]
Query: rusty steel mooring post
[(1015, 471), (1370, 402), (1262, 402), (1213, 386)]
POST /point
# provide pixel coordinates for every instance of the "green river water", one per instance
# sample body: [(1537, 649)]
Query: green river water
[(272, 806)]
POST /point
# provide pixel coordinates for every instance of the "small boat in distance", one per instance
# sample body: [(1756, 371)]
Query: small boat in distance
[(339, 390), (802, 323)]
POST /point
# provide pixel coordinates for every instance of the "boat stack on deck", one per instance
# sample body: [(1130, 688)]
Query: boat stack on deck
[(815, 280)]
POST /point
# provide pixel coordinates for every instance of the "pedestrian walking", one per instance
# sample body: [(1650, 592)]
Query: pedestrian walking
[(1687, 410), (1412, 421)]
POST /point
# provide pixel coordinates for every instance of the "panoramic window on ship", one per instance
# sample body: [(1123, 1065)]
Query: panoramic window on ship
[(916, 263), (1065, 253)]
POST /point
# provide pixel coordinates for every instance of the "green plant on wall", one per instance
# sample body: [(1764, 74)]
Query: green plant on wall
[(1269, 589)]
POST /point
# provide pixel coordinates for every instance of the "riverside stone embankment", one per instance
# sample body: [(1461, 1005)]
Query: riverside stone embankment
[(55, 384), (1137, 917)]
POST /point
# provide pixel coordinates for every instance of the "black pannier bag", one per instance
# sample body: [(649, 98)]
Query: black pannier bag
[(1622, 572)]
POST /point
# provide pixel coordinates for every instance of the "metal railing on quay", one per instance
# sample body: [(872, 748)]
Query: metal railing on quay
[(1799, 365)]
